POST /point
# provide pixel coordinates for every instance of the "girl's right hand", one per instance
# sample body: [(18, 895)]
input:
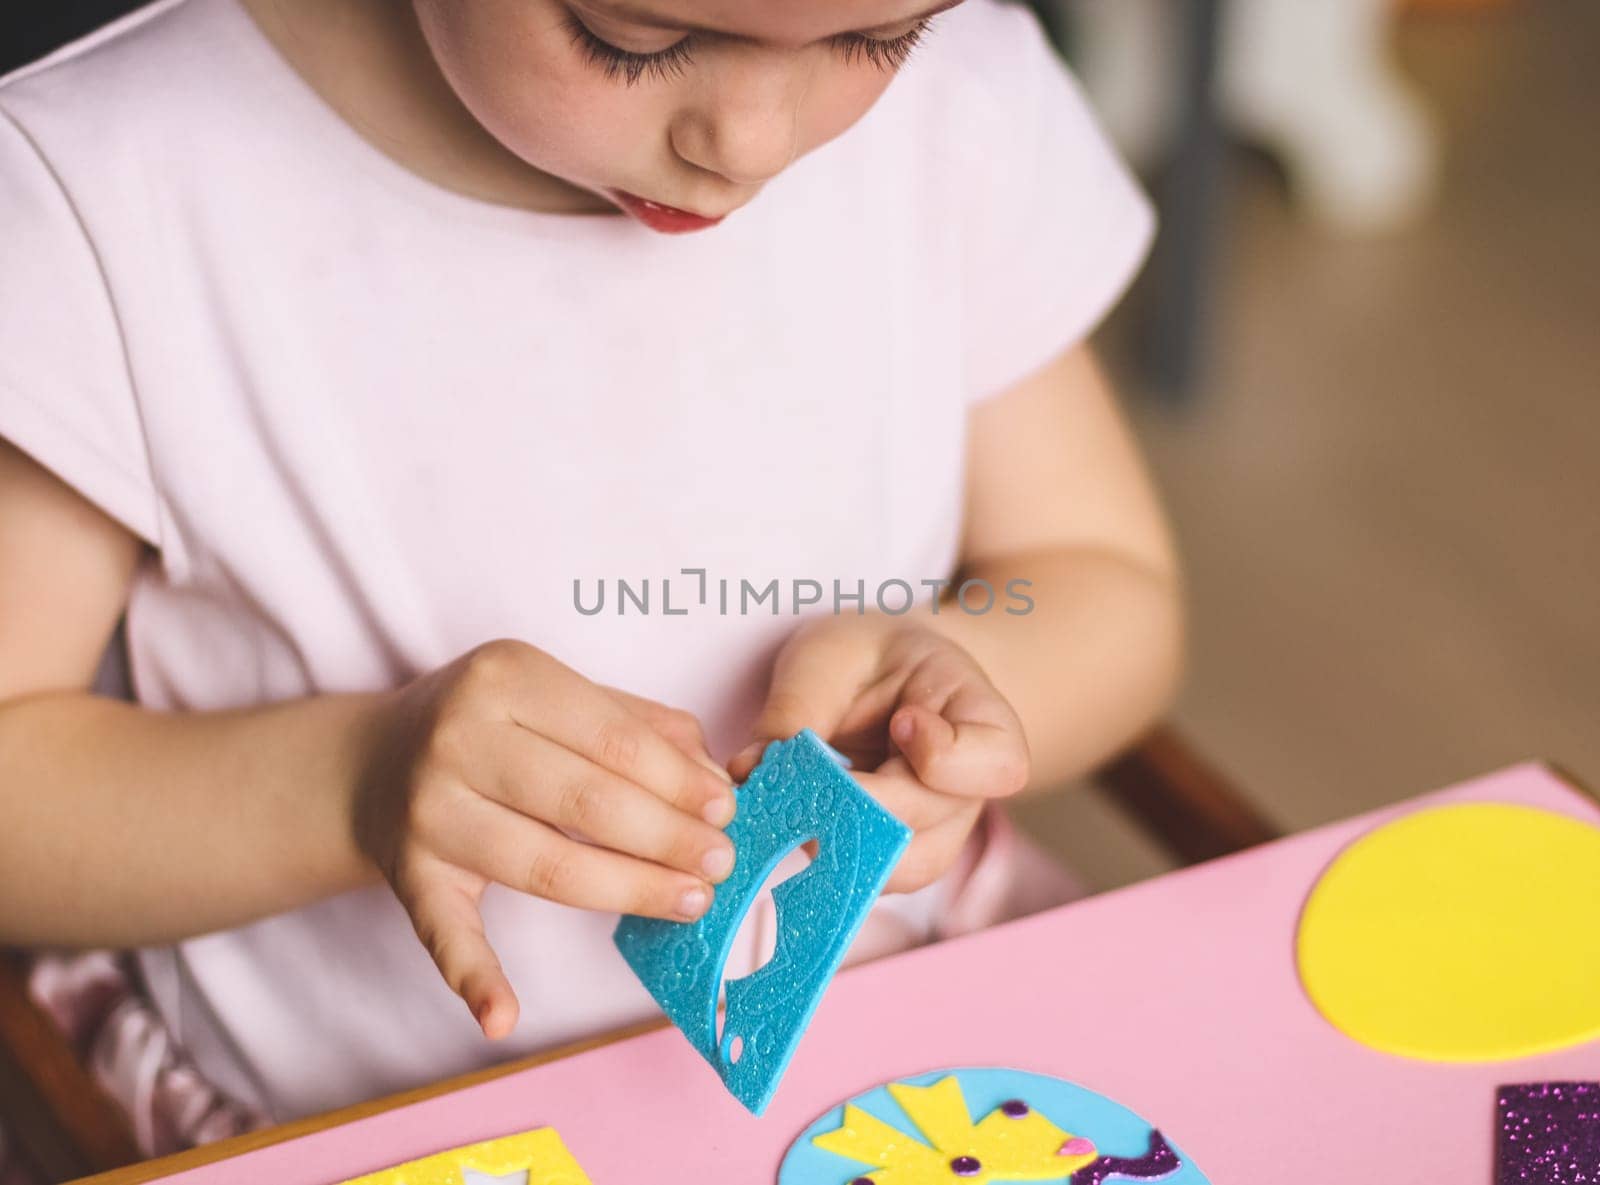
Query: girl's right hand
[(508, 766)]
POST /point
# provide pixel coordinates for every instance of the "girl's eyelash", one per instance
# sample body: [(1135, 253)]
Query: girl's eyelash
[(616, 62), (886, 53)]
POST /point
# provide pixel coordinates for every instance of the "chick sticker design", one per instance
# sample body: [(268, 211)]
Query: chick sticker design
[(922, 1131), (1012, 1143)]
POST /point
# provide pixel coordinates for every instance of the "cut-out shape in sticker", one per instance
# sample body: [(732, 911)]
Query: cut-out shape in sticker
[(1549, 1134), (799, 791), (1461, 933), (537, 1157), (757, 933), (982, 1127)]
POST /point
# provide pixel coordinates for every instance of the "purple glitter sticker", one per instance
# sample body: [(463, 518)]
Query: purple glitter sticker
[(1158, 1161), (1549, 1134)]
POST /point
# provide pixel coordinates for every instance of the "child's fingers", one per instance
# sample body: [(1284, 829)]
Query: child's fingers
[(971, 758), (896, 788), (531, 857), (550, 699), (609, 735), (680, 727), (545, 781), (444, 912), (813, 685), (932, 852), (957, 731)]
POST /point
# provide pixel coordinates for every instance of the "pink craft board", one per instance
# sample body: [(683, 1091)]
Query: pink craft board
[(1177, 997)]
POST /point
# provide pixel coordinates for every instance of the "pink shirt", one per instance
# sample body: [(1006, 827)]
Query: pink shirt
[(367, 423)]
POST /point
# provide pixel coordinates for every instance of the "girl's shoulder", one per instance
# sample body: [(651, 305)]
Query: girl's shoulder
[(153, 80), (985, 92), (1012, 167), (989, 48)]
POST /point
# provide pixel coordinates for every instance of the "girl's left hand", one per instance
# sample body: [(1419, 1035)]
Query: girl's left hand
[(927, 733)]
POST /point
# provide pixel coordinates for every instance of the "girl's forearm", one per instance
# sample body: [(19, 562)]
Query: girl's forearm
[(121, 826), (1092, 664)]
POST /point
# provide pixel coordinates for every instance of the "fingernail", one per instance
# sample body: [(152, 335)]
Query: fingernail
[(717, 863), (902, 727), (693, 903), (720, 810)]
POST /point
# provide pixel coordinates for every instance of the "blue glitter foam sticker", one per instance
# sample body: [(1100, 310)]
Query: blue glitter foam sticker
[(799, 792)]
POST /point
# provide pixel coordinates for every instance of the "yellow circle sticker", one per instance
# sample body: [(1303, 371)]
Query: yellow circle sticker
[(1461, 933)]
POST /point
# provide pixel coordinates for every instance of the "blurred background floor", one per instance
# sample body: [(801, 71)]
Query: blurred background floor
[(1388, 489)]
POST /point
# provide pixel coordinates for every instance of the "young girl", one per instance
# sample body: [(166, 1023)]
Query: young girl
[(353, 348)]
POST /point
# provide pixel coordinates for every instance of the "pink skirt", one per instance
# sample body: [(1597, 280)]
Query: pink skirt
[(94, 996)]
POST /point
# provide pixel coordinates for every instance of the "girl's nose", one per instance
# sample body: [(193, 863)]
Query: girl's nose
[(746, 129)]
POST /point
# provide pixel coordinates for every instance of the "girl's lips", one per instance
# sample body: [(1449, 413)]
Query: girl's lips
[(668, 220)]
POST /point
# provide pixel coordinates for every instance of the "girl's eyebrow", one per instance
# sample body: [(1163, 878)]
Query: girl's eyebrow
[(633, 14)]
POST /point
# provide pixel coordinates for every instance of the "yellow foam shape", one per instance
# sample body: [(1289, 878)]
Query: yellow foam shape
[(1025, 1148), (1462, 933), (540, 1154)]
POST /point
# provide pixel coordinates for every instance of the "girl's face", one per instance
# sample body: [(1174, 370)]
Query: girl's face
[(678, 111)]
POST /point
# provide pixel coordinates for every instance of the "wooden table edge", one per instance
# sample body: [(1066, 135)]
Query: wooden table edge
[(193, 1158), (178, 1162), (1571, 780)]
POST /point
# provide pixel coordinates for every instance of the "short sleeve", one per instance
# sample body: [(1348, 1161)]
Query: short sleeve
[(65, 394), (1059, 226)]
